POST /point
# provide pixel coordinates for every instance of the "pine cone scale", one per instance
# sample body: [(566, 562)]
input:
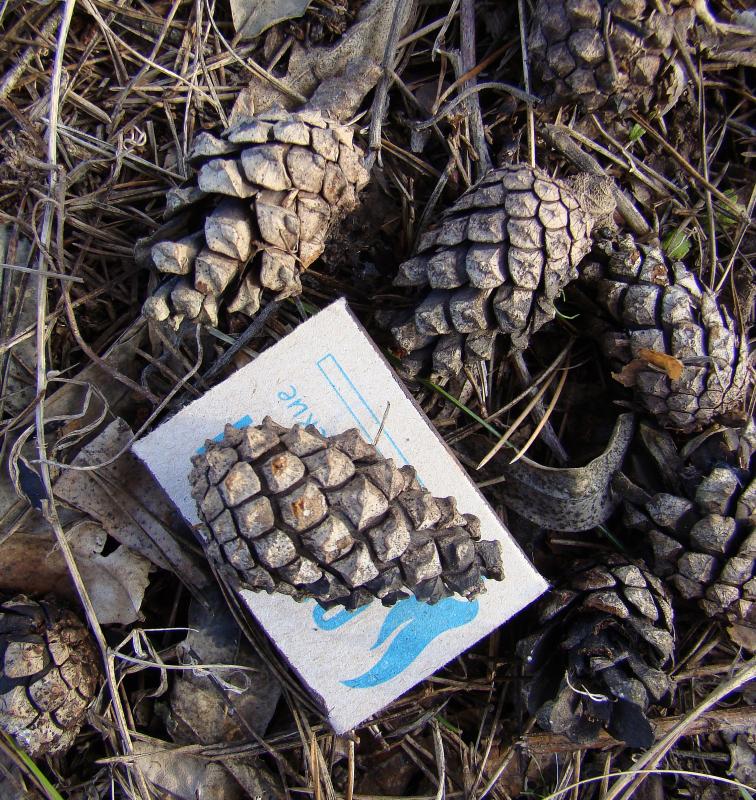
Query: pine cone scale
[(49, 674), (517, 238), (329, 518), (270, 190)]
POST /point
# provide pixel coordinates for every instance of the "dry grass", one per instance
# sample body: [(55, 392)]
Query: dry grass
[(99, 102)]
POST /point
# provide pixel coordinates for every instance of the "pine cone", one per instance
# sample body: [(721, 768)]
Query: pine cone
[(597, 660), (665, 311), (266, 195), (49, 675), (702, 533), (290, 510), (606, 53), (495, 263)]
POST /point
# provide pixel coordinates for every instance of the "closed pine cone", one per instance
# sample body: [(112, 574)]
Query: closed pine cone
[(50, 670), (606, 53), (495, 263), (665, 309), (266, 195), (597, 660), (293, 511), (702, 530)]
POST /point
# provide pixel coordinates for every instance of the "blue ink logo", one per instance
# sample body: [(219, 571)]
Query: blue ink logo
[(420, 624)]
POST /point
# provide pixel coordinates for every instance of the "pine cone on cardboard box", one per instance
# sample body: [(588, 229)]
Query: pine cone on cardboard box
[(266, 195), (293, 511), (597, 660), (608, 54), (661, 310), (701, 531), (50, 670), (495, 263)]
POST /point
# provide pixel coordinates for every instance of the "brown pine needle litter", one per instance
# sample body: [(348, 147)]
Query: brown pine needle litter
[(101, 104)]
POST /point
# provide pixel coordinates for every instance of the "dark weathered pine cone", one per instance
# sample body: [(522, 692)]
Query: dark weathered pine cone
[(702, 535), (664, 309), (292, 511), (606, 53), (495, 262), (597, 660), (266, 194), (50, 670)]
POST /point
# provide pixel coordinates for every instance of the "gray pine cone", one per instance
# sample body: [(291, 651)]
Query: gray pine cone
[(703, 534), (290, 510), (596, 662), (495, 263), (606, 53), (50, 670), (266, 195), (665, 310)]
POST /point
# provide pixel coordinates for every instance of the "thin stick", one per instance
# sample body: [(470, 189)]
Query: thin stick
[(633, 779), (462, 96), (561, 141), (381, 93), (475, 119), (516, 424), (13, 75), (550, 438), (526, 80), (550, 408), (49, 509), (694, 173)]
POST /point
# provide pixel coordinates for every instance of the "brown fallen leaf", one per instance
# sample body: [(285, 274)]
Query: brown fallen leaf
[(129, 504), (671, 365), (628, 375), (31, 563)]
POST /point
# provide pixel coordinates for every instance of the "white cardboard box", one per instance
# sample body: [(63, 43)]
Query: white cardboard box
[(329, 373)]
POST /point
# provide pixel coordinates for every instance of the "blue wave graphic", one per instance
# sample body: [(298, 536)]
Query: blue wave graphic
[(422, 624), (335, 620)]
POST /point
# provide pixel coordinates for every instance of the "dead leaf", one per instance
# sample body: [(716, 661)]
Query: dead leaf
[(628, 375), (743, 634), (569, 499), (116, 582), (210, 706), (671, 365), (185, 776), (360, 48), (130, 505), (17, 314), (252, 17), (743, 759)]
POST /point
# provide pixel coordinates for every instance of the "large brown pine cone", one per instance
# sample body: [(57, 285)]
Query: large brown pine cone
[(664, 310), (597, 660), (495, 262), (702, 531), (290, 510), (607, 53), (50, 670), (267, 193)]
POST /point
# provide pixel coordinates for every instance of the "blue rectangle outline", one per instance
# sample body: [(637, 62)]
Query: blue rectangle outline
[(364, 402)]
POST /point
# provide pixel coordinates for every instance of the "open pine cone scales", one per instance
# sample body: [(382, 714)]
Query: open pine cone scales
[(664, 311), (606, 53), (597, 659), (494, 263), (49, 674), (703, 534), (266, 195), (293, 511)]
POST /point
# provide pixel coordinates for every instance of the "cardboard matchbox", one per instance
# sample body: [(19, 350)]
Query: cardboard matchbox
[(329, 373)]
